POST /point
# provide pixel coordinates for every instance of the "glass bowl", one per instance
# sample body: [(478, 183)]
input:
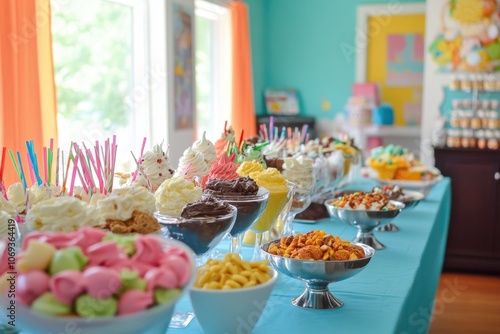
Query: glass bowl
[(202, 234)]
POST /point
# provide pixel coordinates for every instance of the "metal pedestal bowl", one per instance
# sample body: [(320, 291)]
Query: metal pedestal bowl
[(414, 197), (318, 275), (365, 220)]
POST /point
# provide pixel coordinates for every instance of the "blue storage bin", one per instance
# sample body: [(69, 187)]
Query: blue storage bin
[(383, 115)]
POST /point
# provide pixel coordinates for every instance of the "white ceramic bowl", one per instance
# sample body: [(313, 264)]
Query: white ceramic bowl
[(231, 311), (154, 320)]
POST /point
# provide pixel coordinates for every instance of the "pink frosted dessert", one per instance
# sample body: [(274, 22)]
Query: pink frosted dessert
[(65, 275), (223, 168)]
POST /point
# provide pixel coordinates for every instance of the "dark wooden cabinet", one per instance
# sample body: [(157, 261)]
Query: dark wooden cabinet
[(474, 232)]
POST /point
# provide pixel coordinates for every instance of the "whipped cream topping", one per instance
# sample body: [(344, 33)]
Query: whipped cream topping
[(156, 167), (196, 161), (300, 172), (7, 207), (17, 196), (205, 147), (124, 201), (275, 149), (61, 214), (174, 194), (43, 192)]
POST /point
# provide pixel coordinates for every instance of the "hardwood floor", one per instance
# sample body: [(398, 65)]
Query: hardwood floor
[(467, 303)]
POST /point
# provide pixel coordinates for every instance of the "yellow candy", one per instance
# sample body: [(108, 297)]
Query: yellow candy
[(36, 256), (232, 273)]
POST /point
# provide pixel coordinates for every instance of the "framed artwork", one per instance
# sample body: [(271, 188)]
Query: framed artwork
[(391, 55), (281, 101), (182, 28)]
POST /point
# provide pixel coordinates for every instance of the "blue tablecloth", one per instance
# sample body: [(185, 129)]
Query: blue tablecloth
[(393, 294)]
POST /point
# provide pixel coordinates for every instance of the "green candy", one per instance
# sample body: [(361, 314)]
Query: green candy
[(493, 50), (89, 307), (71, 258), (124, 241), (48, 304), (377, 151), (130, 280), (164, 295)]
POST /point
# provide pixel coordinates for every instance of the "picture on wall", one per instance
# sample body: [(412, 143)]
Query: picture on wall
[(395, 62), (183, 66), (469, 40), (405, 60)]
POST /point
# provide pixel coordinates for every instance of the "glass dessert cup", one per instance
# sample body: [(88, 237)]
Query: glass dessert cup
[(276, 203), (414, 198), (318, 275), (331, 179), (250, 208), (365, 220), (201, 234), (300, 201)]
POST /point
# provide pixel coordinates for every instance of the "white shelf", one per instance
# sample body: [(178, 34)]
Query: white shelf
[(386, 130), (403, 135)]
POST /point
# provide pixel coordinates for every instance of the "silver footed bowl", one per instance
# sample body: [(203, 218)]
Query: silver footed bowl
[(411, 200), (318, 275), (365, 220)]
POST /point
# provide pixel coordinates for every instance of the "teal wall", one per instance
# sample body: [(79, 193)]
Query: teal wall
[(297, 44)]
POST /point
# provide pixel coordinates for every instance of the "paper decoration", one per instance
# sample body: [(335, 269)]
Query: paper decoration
[(470, 37)]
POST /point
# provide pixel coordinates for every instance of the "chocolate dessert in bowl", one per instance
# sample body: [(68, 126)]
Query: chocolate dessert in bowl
[(202, 225), (250, 200)]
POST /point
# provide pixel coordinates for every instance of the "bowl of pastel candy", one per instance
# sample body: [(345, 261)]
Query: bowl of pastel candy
[(90, 281)]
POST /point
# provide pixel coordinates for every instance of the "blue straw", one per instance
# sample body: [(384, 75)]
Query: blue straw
[(23, 178), (34, 162)]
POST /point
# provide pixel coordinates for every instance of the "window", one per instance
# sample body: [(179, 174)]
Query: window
[(99, 51), (110, 59), (213, 74)]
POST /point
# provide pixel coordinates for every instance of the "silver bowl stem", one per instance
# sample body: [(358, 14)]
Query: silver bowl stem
[(368, 238), (391, 227), (317, 296)]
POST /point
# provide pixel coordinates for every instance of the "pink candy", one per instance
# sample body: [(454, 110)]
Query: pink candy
[(178, 265), (67, 285), (105, 253), (161, 278), (101, 282), (134, 301), (168, 268), (147, 250), (31, 285), (88, 236)]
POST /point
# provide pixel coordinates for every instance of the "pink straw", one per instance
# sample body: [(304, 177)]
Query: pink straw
[(45, 164), (140, 158), (99, 176), (73, 176)]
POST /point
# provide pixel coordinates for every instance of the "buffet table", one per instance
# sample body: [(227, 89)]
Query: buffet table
[(393, 294)]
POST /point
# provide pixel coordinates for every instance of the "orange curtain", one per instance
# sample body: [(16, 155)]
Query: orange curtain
[(243, 109), (27, 89)]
